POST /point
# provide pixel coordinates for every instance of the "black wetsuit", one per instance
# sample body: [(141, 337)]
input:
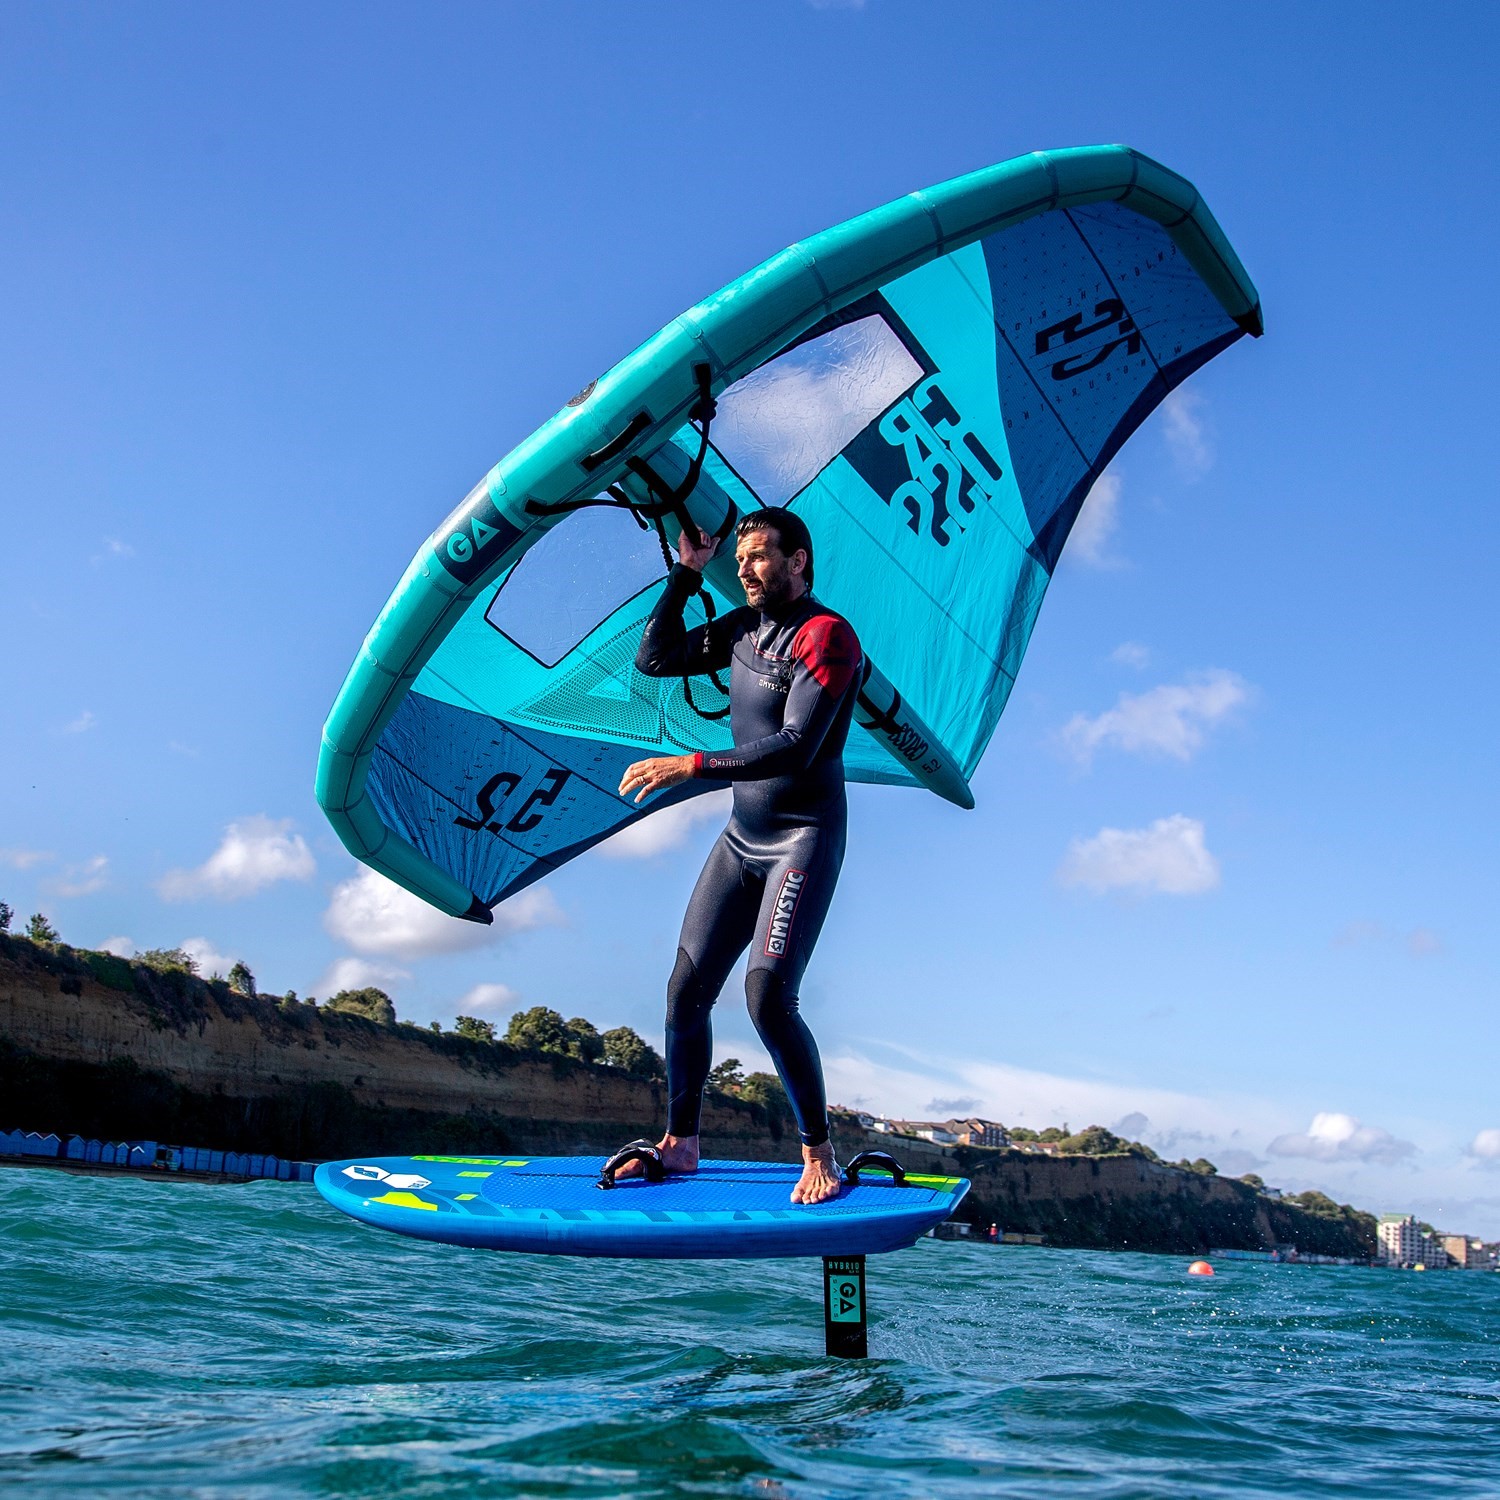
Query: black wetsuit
[(794, 675)]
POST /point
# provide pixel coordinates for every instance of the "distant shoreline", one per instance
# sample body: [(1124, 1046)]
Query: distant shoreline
[(97, 1046)]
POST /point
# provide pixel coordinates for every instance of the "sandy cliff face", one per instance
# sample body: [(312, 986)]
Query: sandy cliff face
[(1126, 1202), (96, 1058), (221, 1043)]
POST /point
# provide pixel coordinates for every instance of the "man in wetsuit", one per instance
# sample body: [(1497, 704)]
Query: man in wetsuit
[(795, 669)]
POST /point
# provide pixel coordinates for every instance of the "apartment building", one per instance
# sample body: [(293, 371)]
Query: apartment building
[(1400, 1240), (1466, 1254)]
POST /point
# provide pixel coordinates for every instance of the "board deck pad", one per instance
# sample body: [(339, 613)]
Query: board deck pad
[(551, 1205)]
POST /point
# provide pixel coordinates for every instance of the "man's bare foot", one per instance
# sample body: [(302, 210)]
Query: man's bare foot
[(679, 1153), (820, 1175)]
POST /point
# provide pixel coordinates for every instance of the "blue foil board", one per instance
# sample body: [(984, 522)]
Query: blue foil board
[(550, 1205)]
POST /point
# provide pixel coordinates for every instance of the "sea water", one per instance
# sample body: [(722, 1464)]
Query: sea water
[(164, 1338)]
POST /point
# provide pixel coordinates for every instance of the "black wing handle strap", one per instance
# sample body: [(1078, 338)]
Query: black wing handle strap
[(670, 499), (710, 614), (673, 498)]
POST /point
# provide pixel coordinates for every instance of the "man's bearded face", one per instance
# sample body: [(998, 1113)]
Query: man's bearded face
[(769, 577)]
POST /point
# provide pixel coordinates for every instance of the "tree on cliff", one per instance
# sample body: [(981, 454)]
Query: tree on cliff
[(241, 980), (1341, 1222), (475, 1029), (1314, 1202), (539, 1029), (628, 1051), (374, 1005), (40, 930), (728, 1077), (1095, 1140), (765, 1090), (1203, 1167), (584, 1040), (5, 915), (542, 1029), (164, 960)]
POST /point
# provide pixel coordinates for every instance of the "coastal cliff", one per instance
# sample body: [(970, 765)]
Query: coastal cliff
[(98, 1046), (1126, 1201), (102, 1047)]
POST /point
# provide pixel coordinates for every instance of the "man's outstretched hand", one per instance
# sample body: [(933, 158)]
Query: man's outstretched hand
[(657, 774), (695, 555)]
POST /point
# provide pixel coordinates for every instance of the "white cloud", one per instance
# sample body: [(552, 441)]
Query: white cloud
[(667, 829), (112, 547), (1169, 856), (373, 915), (1420, 942), (1131, 654), (906, 1084), (358, 974), (121, 947), (83, 723), (1485, 1147), (209, 959), (1340, 1137), (1168, 720), (84, 879), (1235, 1163), (1218, 1125), (255, 852), (1187, 434), (1092, 538), (949, 1108), (486, 997), (24, 859)]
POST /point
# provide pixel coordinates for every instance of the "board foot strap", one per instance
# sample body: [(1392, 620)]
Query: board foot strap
[(642, 1151)]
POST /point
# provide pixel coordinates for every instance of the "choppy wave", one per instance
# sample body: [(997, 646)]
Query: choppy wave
[(176, 1338)]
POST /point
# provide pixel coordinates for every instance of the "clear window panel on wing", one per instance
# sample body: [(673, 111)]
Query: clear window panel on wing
[(583, 570), (784, 422)]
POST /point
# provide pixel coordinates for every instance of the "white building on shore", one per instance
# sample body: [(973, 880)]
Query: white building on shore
[(1400, 1240), (1403, 1242)]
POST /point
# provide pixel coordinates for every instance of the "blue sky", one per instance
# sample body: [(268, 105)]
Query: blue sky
[(282, 283)]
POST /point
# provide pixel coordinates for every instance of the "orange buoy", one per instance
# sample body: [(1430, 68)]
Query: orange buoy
[(1200, 1268)]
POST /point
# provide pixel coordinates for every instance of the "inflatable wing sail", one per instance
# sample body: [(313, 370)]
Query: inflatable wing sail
[(933, 386)]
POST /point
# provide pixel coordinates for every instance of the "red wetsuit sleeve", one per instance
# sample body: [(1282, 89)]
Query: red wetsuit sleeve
[(827, 646)]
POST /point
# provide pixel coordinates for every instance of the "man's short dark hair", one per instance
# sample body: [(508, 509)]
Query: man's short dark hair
[(791, 532)]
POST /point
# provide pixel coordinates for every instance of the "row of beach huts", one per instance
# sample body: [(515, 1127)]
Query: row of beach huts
[(148, 1156)]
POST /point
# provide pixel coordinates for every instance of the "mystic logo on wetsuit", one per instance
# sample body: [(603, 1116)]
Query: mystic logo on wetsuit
[(795, 671), (786, 908)]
